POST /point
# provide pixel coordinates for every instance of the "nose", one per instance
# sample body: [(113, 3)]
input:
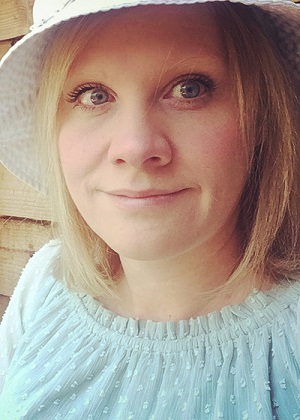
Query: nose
[(139, 141)]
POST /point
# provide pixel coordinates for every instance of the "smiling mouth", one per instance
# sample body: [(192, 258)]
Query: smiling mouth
[(128, 199), (144, 194)]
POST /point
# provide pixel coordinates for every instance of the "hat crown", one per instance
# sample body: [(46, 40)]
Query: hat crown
[(58, 10), (43, 10)]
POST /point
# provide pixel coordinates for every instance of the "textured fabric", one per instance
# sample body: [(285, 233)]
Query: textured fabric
[(20, 70), (63, 356)]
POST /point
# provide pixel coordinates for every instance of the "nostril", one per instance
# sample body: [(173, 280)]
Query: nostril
[(152, 159), (155, 159), (140, 150), (119, 161)]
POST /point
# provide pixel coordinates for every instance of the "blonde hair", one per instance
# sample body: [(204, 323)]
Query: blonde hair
[(269, 119), (88, 264), (268, 106)]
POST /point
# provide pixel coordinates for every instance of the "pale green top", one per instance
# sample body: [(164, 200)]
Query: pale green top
[(63, 356)]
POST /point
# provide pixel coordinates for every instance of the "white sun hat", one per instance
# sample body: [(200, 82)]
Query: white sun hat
[(20, 69)]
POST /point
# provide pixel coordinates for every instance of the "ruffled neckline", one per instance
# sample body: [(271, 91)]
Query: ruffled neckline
[(259, 309)]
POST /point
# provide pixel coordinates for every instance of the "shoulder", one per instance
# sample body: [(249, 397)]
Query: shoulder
[(44, 259), (37, 283), (37, 278), (298, 317), (288, 323), (44, 263)]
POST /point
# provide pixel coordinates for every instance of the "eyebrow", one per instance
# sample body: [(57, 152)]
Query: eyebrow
[(205, 60), (188, 65)]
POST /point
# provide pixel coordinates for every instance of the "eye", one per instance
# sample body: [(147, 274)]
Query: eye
[(89, 96), (94, 97), (191, 87)]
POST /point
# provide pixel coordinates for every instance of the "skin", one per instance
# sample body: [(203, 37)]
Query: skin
[(157, 175)]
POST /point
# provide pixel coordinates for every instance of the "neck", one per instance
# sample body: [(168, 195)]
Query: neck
[(179, 287)]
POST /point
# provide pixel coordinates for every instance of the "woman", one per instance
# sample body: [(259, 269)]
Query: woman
[(170, 138)]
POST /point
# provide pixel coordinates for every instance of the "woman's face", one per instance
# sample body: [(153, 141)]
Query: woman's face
[(149, 138)]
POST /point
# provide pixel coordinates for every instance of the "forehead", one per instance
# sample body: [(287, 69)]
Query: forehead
[(177, 33)]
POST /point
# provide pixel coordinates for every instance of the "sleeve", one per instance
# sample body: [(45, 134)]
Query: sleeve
[(24, 303)]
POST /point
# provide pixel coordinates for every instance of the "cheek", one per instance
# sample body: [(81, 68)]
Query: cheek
[(215, 144), (228, 159), (78, 151), (216, 158), (226, 150)]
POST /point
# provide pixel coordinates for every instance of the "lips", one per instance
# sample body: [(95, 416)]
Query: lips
[(145, 199), (144, 193)]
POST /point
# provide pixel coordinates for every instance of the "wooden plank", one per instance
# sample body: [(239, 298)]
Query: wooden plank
[(19, 240), (20, 200), (11, 265), (23, 235), (4, 47), (15, 18), (4, 300)]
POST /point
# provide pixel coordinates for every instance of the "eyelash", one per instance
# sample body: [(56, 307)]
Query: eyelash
[(205, 80), (73, 96)]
